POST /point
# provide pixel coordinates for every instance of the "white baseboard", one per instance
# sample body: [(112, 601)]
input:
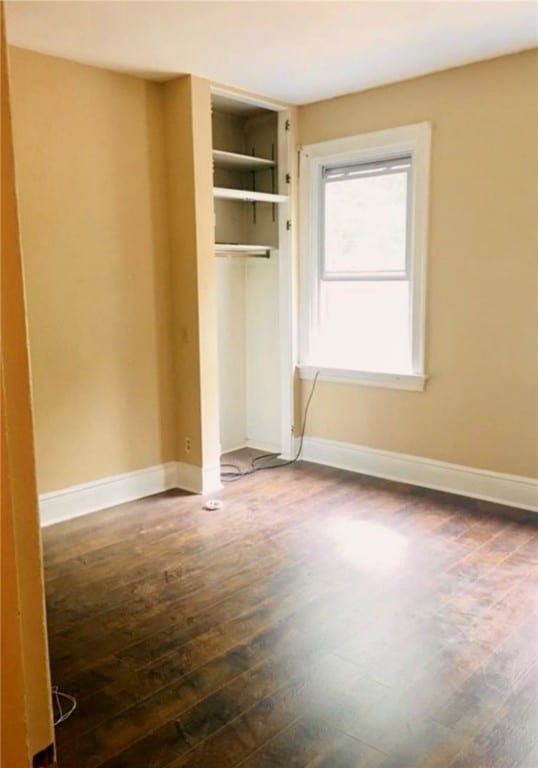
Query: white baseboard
[(255, 444), (76, 500), (513, 490), (232, 448), (258, 445), (267, 448), (211, 481), (197, 479), (107, 492)]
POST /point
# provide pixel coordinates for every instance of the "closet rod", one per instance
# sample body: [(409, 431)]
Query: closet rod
[(243, 249), (266, 255)]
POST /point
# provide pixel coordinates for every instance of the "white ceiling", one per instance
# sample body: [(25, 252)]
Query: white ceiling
[(295, 51)]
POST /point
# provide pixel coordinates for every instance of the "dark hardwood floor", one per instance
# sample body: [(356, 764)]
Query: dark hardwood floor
[(319, 619)]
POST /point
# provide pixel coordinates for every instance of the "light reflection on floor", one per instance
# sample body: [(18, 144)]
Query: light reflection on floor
[(368, 546)]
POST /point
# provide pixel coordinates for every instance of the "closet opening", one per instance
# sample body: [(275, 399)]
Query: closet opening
[(252, 181)]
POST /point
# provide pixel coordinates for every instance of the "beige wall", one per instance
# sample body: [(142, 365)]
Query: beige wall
[(121, 377), (89, 150), (26, 716), (190, 207), (480, 406), (181, 207)]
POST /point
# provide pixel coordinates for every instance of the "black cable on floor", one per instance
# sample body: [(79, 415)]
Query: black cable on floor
[(237, 474)]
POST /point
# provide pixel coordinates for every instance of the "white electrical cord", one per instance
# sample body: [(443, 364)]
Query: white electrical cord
[(58, 696)]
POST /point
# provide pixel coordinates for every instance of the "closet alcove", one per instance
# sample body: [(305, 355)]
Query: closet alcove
[(249, 208)]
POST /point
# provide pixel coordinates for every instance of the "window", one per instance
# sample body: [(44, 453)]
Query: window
[(363, 243)]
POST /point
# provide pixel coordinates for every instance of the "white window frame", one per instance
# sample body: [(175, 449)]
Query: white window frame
[(413, 140)]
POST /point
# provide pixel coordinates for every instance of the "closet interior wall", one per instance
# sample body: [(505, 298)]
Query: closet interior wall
[(248, 286)]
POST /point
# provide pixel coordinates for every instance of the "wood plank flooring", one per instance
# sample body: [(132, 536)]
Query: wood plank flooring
[(319, 619)]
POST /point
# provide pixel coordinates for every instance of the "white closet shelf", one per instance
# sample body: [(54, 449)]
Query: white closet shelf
[(223, 193), (247, 250), (232, 161)]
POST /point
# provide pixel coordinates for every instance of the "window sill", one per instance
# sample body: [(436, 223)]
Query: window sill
[(408, 381)]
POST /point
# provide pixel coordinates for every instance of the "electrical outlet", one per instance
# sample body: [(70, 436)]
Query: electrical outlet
[(188, 445)]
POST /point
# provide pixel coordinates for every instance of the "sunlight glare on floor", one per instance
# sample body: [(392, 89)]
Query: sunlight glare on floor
[(368, 546)]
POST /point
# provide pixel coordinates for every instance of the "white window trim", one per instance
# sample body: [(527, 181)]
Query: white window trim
[(412, 139), (407, 381)]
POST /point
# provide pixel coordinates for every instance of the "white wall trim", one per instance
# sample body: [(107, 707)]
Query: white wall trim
[(82, 499), (408, 381), (513, 490), (414, 139), (261, 446), (232, 448), (196, 479), (287, 169), (189, 477), (247, 98), (107, 492), (211, 481)]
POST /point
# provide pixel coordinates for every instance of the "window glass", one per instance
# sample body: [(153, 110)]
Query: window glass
[(365, 223), (364, 325)]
